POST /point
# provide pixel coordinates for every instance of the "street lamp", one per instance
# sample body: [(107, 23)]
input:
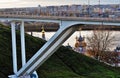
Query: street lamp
[(88, 7), (99, 7)]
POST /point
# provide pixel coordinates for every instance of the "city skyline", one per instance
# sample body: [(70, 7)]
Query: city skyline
[(35, 3)]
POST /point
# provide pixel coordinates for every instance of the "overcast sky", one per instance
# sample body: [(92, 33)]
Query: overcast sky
[(33, 3)]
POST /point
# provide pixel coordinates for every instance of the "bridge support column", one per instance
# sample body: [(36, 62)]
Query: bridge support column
[(23, 44), (23, 49), (14, 53)]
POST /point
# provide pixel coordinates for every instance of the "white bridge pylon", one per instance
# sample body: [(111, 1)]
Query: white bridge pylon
[(43, 54), (67, 28), (47, 50), (14, 51)]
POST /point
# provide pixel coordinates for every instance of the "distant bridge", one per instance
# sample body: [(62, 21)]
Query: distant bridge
[(54, 28), (68, 25)]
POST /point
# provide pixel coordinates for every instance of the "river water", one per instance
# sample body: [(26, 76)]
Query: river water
[(71, 40)]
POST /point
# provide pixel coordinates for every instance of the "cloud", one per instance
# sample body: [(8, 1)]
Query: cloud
[(34, 3), (4, 1)]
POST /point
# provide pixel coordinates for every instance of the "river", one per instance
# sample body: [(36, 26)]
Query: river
[(71, 40)]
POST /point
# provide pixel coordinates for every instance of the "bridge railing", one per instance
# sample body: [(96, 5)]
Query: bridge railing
[(57, 17)]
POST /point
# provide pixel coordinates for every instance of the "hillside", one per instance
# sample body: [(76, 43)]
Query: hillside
[(64, 63)]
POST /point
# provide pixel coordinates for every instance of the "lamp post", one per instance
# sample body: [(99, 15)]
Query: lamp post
[(88, 7), (99, 7)]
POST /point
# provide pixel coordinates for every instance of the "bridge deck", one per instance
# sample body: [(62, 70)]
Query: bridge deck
[(11, 16)]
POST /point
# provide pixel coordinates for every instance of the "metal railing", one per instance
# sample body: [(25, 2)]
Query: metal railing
[(58, 17)]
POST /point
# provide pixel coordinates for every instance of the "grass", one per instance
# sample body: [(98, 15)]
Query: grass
[(64, 63)]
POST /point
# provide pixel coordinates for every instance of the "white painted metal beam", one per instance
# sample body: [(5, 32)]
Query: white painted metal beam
[(82, 20), (46, 51), (23, 44), (23, 52), (53, 47), (14, 52)]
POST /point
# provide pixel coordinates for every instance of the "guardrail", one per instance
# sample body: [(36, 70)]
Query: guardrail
[(59, 18)]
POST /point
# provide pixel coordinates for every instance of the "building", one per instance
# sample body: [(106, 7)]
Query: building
[(43, 33), (67, 10), (117, 52), (80, 45)]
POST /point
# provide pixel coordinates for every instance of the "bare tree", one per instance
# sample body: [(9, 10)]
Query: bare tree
[(100, 42)]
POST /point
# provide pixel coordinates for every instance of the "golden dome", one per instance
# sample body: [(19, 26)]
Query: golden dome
[(77, 44), (43, 31), (84, 44)]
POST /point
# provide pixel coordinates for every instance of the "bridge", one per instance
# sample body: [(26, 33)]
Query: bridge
[(32, 26), (53, 27), (68, 25)]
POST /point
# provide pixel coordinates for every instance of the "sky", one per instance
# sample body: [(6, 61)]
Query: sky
[(35, 3)]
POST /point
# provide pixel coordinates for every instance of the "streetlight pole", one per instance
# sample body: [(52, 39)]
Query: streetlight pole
[(99, 7), (88, 7)]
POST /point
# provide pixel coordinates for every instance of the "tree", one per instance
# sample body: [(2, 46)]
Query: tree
[(100, 42)]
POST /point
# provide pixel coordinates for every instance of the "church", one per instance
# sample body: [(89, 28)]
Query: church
[(80, 44)]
